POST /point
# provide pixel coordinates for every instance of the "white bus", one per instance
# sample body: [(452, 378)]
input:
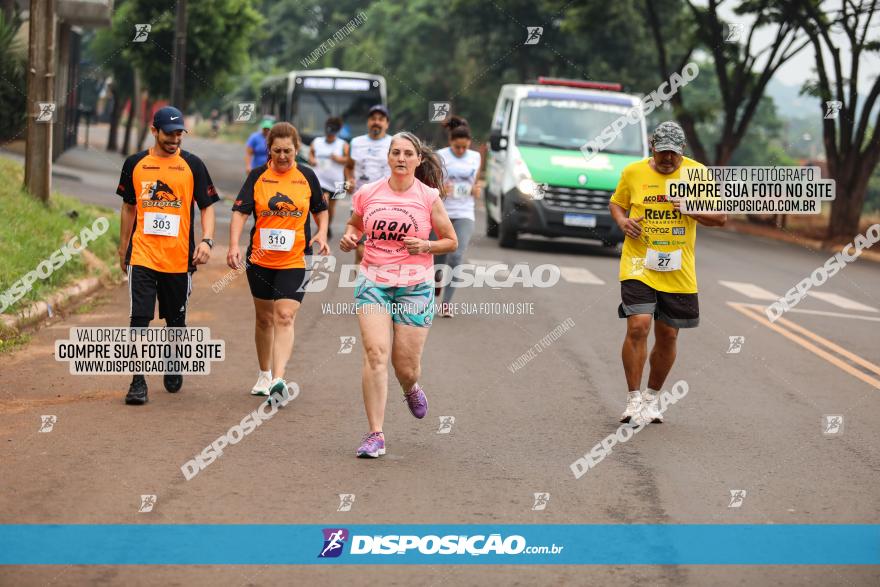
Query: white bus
[(306, 98)]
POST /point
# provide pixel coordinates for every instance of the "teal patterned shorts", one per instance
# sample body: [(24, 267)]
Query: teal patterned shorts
[(412, 305)]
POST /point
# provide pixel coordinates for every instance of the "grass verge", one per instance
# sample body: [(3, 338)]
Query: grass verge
[(32, 231)]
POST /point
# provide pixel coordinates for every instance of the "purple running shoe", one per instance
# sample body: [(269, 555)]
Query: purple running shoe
[(372, 445), (417, 402)]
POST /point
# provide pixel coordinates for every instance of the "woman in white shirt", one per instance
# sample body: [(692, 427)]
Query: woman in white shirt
[(462, 170), (327, 155)]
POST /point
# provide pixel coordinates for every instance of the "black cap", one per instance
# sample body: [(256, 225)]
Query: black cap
[(380, 108), (168, 119)]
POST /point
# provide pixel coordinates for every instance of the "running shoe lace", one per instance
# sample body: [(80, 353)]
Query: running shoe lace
[(412, 397)]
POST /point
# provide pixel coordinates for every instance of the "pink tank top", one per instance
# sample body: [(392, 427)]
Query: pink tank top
[(389, 217)]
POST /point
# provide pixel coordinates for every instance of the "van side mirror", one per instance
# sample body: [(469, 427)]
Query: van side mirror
[(497, 141)]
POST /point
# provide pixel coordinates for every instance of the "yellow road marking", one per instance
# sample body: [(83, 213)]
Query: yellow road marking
[(756, 314)]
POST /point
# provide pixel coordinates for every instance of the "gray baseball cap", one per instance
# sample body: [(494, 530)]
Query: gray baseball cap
[(668, 136)]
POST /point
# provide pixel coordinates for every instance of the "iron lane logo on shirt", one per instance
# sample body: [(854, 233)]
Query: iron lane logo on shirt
[(158, 194), (281, 205), (386, 227)]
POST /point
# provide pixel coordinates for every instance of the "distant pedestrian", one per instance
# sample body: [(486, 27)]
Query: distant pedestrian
[(256, 151), (328, 155)]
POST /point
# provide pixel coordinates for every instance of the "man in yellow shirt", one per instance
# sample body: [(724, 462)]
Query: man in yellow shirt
[(658, 278)]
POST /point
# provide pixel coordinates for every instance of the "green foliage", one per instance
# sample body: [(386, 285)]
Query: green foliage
[(219, 37), (13, 83), (39, 230)]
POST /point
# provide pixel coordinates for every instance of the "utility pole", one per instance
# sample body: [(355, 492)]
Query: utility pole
[(41, 99), (178, 67)]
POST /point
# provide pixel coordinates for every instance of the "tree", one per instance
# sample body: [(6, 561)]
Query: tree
[(106, 49), (742, 71), (13, 83), (218, 38), (852, 143)]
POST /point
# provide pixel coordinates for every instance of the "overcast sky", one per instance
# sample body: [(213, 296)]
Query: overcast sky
[(802, 66)]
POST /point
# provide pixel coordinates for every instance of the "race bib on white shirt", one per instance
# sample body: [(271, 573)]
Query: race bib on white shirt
[(657, 261), (161, 224), (461, 190), (277, 239)]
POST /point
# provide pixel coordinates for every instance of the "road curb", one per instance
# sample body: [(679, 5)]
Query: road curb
[(812, 244), (39, 311)]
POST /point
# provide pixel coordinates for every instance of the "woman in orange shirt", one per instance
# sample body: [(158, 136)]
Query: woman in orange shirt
[(281, 196)]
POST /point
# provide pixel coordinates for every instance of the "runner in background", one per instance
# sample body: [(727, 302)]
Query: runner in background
[(281, 196), (328, 155), (368, 160), (256, 152), (157, 246), (395, 286), (658, 277), (462, 169)]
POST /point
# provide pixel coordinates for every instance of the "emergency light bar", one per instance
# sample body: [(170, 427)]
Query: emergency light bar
[(573, 83)]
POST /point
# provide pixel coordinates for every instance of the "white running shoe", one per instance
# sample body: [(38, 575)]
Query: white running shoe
[(262, 385), (633, 405), (446, 310), (652, 408)]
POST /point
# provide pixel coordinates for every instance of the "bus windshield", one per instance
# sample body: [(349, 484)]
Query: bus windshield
[(311, 108), (567, 123)]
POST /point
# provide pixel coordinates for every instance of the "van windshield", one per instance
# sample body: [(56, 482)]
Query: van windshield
[(571, 123)]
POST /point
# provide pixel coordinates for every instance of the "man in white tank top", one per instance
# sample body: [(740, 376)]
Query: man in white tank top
[(368, 160), (328, 156)]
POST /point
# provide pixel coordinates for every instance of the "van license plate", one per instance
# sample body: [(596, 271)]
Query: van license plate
[(585, 220)]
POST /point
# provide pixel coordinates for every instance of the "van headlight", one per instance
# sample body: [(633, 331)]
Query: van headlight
[(524, 182), (527, 187)]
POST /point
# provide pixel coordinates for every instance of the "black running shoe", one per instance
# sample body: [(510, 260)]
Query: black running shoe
[(137, 391), (173, 383)]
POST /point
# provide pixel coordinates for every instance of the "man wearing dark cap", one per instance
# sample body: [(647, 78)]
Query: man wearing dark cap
[(368, 159), (157, 246), (658, 278)]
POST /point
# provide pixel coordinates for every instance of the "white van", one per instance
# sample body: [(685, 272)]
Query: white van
[(538, 181)]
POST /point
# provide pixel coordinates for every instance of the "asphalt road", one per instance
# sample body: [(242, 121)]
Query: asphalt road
[(752, 420)]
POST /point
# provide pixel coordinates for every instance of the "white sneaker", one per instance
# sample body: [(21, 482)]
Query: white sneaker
[(652, 408), (446, 310), (262, 385), (633, 405)]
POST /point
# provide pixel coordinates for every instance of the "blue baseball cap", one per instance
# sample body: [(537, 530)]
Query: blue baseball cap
[(168, 119)]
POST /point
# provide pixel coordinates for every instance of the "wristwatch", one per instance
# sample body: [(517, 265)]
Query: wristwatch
[(210, 242)]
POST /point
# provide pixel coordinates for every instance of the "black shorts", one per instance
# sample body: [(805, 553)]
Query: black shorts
[(676, 309), (145, 285), (276, 284)]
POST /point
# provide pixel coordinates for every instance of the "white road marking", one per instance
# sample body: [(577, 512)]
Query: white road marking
[(842, 302), (750, 289), (818, 313), (580, 275), (485, 262)]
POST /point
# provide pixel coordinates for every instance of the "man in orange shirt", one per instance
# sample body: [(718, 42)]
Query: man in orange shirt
[(157, 248)]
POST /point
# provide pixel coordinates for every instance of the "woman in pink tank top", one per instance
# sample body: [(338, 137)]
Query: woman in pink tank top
[(395, 287)]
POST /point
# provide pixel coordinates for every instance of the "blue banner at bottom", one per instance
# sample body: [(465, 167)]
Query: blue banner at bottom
[(542, 544)]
